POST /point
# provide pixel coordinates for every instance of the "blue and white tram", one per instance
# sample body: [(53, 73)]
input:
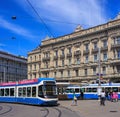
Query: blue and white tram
[(41, 91), (91, 91), (70, 90)]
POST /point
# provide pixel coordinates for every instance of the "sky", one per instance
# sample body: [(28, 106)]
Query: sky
[(38, 19)]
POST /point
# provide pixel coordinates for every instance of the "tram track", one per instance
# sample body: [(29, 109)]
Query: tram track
[(5, 109)]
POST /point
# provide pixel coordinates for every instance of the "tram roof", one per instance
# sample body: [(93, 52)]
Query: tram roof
[(26, 82)]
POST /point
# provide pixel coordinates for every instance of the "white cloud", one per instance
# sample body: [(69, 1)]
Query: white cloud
[(15, 28), (85, 12)]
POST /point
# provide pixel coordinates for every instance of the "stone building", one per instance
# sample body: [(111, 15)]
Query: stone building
[(12, 68), (74, 57)]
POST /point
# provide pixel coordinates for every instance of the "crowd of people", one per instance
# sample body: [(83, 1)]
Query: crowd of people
[(103, 95)]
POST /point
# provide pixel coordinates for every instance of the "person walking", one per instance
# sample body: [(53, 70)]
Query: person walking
[(102, 98), (74, 102)]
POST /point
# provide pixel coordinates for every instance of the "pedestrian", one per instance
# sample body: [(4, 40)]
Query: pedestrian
[(102, 98), (74, 101), (81, 94)]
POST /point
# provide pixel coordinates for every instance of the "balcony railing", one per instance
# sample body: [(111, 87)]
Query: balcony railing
[(104, 48), (113, 46), (95, 50), (46, 59), (62, 56), (85, 52), (55, 57), (77, 53), (69, 55)]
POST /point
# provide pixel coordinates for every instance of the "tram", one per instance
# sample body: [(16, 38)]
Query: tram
[(90, 91), (41, 91)]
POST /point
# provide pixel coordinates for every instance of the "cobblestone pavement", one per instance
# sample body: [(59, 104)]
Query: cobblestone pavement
[(92, 108)]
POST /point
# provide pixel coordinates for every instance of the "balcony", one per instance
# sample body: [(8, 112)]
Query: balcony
[(85, 52), (104, 48), (69, 55), (46, 59), (55, 58), (115, 61), (77, 53), (95, 50), (62, 56), (114, 46)]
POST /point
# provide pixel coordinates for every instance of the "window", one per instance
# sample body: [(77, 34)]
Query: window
[(105, 56), (40, 92), (56, 63), (12, 92), (94, 70), (33, 91), (95, 45), (86, 47), (86, 72), (118, 40), (78, 61), (76, 72), (69, 61), (56, 52), (68, 73), (69, 49), (104, 70), (118, 68), (28, 91), (62, 51), (61, 74), (95, 58), (20, 92), (105, 43), (34, 66), (62, 62), (24, 91), (118, 54), (86, 59), (7, 92), (2, 92), (55, 74)]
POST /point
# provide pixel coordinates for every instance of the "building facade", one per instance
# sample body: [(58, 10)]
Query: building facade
[(74, 57), (12, 68)]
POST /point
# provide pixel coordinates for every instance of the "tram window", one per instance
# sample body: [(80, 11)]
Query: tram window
[(24, 91), (40, 92), (2, 92), (69, 90), (11, 91), (33, 91), (115, 89), (28, 91), (7, 92), (82, 89), (118, 89), (20, 92), (94, 89), (108, 89), (88, 89), (77, 90)]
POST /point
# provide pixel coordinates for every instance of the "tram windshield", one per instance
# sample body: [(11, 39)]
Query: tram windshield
[(49, 89)]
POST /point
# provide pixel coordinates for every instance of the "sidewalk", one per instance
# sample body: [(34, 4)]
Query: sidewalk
[(92, 108)]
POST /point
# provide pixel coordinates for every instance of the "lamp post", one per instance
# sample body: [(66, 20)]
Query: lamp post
[(4, 75), (99, 67), (99, 73)]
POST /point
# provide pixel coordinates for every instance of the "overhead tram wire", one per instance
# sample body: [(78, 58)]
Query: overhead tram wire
[(40, 18)]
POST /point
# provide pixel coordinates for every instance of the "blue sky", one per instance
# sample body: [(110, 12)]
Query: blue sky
[(61, 17)]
